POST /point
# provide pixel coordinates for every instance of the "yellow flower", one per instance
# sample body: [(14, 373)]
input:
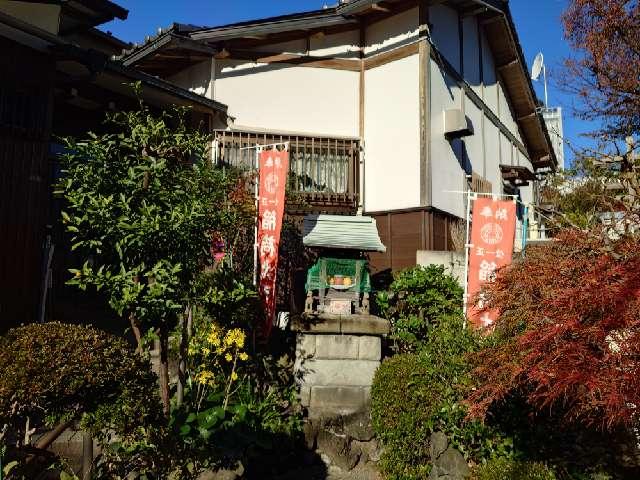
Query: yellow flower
[(234, 376), (243, 356), (213, 336), (206, 351), (235, 337), (228, 357), (205, 377), (213, 339)]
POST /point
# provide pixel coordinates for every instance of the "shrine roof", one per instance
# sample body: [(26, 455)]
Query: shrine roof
[(341, 231)]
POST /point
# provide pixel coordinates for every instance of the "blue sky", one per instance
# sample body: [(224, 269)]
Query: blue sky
[(538, 23)]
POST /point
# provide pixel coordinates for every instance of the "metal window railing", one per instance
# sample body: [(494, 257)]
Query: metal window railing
[(318, 165)]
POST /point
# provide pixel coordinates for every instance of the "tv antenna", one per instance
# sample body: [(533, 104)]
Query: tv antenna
[(536, 70)]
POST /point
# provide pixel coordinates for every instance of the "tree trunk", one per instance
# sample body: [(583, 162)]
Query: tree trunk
[(164, 369), (47, 439), (184, 345), (136, 332)]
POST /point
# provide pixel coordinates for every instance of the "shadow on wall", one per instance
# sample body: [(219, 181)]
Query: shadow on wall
[(459, 149)]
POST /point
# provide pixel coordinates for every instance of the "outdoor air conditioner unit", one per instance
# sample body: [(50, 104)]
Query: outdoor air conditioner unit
[(456, 124)]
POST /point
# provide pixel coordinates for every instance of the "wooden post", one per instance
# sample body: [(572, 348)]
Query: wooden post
[(184, 345), (87, 455), (424, 62), (164, 369)]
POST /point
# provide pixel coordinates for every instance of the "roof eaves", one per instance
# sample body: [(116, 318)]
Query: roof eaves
[(523, 63), (109, 37), (502, 8), (176, 33), (290, 16), (271, 26), (354, 6), (506, 10), (99, 62), (108, 10), (135, 54), (168, 87)]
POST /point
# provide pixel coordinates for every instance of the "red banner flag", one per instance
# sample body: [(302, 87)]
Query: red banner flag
[(274, 169), (492, 235)]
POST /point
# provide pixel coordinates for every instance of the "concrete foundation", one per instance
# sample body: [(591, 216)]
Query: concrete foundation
[(336, 359), (453, 262)]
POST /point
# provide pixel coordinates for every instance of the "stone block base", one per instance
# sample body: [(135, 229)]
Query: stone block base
[(335, 371), (336, 400)]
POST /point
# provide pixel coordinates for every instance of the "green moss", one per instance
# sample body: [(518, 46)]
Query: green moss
[(509, 469)]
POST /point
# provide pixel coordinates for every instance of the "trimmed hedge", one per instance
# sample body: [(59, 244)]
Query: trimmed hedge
[(416, 394), (401, 411), (52, 372)]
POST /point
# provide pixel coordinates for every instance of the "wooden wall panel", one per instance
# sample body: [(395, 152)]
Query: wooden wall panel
[(23, 203), (382, 261), (406, 232), (25, 123), (440, 232), (407, 239)]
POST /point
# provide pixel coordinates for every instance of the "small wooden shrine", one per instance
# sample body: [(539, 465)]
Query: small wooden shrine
[(339, 282), (339, 343)]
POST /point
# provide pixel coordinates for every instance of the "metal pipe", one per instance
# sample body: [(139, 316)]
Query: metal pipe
[(467, 246), (255, 225)]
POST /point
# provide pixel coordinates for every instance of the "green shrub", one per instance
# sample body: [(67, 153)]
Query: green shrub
[(56, 372), (401, 410), (416, 394), (418, 298), (510, 469), (51, 372)]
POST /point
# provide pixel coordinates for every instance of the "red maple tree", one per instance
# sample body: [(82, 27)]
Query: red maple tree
[(605, 35), (569, 332)]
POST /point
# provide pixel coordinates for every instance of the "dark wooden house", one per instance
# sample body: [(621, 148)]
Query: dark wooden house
[(58, 79)]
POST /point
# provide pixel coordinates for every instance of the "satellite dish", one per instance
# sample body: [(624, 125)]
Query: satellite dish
[(538, 65), (536, 70)]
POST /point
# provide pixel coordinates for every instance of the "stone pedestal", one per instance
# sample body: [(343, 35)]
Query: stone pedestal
[(336, 359)]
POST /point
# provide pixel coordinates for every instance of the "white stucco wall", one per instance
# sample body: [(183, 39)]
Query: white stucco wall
[(283, 97), (445, 33), (506, 150), (294, 46), (392, 136), (471, 54), (392, 32), (489, 80), (446, 173), (341, 45), (196, 78), (506, 114), (326, 102), (526, 194), (475, 143), (492, 146)]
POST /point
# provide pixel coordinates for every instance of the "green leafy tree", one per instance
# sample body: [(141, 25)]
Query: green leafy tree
[(143, 204)]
